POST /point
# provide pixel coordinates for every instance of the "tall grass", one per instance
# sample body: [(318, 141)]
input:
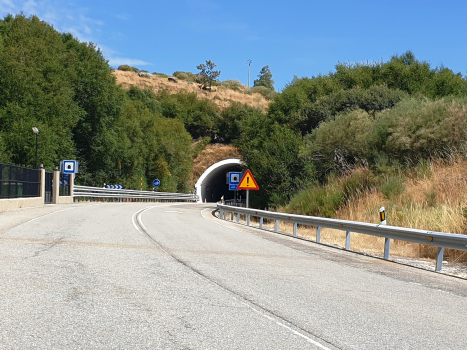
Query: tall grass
[(430, 196)]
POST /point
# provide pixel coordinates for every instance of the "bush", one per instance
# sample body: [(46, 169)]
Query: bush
[(392, 186), (324, 200), (232, 85), (127, 68), (267, 93), (187, 76), (162, 75)]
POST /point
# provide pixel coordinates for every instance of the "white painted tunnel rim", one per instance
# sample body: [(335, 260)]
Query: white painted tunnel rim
[(214, 167)]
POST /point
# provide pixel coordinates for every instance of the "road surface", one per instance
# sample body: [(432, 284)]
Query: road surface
[(171, 276)]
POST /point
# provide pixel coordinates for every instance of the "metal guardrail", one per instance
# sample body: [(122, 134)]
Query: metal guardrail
[(438, 239), (105, 193)]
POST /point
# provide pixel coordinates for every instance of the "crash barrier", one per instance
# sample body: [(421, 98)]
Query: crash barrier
[(438, 239), (121, 195)]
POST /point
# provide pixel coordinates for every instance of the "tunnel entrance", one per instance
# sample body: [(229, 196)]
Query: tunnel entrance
[(212, 185)]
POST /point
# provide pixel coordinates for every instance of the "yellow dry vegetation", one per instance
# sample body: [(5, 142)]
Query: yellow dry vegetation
[(212, 154), (437, 202), (221, 96)]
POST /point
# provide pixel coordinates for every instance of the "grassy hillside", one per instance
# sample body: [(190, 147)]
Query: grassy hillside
[(220, 95)]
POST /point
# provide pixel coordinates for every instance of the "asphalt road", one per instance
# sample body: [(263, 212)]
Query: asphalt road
[(161, 276)]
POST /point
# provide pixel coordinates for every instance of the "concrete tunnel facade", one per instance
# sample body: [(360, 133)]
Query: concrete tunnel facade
[(212, 185)]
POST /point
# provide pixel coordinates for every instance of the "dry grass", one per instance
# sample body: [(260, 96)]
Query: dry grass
[(212, 154), (220, 95), (437, 203)]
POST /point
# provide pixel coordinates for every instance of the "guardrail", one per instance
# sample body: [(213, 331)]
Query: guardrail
[(438, 239), (123, 194)]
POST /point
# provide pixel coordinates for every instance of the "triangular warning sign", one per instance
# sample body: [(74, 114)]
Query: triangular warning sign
[(248, 182)]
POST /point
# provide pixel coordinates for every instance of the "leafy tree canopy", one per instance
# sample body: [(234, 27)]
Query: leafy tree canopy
[(207, 74), (264, 78)]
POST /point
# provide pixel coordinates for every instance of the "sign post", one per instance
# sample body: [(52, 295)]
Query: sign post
[(248, 183), (234, 180)]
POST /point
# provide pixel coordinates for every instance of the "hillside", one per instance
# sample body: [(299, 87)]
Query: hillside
[(212, 154), (220, 95)]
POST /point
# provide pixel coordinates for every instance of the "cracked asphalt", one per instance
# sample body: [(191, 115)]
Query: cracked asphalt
[(171, 276)]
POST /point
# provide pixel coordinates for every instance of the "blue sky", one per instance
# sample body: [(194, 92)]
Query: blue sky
[(302, 38)]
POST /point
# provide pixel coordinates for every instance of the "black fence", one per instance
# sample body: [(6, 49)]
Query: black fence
[(19, 182)]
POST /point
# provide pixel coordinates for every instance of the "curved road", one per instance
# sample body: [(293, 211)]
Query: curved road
[(171, 276)]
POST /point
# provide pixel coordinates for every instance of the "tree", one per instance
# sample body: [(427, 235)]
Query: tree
[(207, 74), (265, 78)]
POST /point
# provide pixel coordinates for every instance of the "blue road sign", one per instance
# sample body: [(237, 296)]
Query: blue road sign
[(69, 166), (156, 183), (234, 180)]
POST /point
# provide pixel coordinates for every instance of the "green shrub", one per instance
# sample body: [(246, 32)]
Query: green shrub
[(186, 76), (232, 85), (127, 68), (267, 93), (392, 186), (317, 200)]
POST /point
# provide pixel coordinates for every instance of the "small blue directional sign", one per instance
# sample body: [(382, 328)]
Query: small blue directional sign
[(69, 166), (156, 183), (234, 180)]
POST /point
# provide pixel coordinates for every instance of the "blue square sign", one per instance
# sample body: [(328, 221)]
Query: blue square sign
[(234, 178), (69, 167)]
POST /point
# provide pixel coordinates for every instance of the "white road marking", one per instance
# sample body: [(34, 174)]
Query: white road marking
[(288, 328), (173, 211), (311, 341), (58, 211)]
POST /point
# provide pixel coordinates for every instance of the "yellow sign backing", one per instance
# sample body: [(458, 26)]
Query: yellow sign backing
[(248, 182)]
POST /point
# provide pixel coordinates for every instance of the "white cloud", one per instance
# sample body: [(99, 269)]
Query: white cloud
[(65, 17), (122, 17), (117, 61), (29, 7), (6, 7)]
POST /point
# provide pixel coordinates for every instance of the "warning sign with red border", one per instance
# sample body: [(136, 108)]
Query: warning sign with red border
[(248, 182)]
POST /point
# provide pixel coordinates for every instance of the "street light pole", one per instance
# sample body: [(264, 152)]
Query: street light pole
[(249, 64), (36, 131)]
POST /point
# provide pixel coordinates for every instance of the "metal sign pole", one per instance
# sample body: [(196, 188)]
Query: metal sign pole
[(247, 198)]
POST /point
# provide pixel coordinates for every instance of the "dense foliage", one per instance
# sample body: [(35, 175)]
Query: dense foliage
[(65, 88), (265, 78), (382, 116)]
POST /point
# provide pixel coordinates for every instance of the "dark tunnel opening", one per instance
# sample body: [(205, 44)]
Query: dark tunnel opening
[(213, 183), (217, 186)]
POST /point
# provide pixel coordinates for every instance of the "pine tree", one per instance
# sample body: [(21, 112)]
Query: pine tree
[(207, 74), (265, 78)]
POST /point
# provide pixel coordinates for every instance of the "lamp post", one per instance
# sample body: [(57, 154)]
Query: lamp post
[(249, 64), (36, 131)]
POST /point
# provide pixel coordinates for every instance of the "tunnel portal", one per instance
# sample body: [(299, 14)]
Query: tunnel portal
[(212, 185)]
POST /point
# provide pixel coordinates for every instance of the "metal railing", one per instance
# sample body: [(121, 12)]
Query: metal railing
[(19, 182), (106, 194), (438, 239)]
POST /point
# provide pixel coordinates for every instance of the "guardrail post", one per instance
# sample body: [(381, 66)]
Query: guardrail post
[(439, 259), (387, 244), (248, 220), (347, 240), (238, 217), (231, 215), (261, 220), (276, 226), (295, 229), (318, 234)]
